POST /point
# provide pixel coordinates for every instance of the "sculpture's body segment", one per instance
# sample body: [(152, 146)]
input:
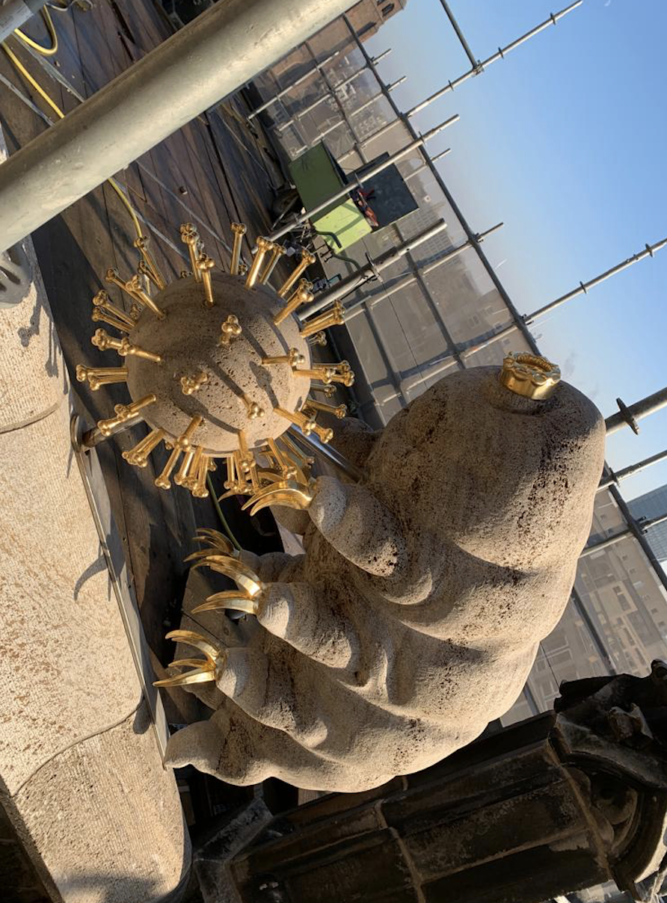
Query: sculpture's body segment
[(415, 615)]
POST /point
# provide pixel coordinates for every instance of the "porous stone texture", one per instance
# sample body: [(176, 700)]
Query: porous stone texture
[(80, 773), (188, 342), (415, 615)]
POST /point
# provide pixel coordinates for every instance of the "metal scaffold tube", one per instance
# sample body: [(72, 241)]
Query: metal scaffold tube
[(500, 54), (16, 13), (370, 271), (613, 477), (210, 58), (299, 81)]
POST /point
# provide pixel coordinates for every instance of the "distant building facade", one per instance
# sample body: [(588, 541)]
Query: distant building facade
[(650, 505)]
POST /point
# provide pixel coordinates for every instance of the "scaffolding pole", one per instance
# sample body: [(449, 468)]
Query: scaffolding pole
[(295, 84), (614, 477), (500, 54), (210, 58), (474, 62)]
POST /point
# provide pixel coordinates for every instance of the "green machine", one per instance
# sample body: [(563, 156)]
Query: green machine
[(385, 198)]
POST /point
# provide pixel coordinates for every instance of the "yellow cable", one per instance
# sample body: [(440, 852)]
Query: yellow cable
[(54, 106), (45, 51)]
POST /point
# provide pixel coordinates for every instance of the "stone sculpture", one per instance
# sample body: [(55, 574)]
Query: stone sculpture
[(415, 615)]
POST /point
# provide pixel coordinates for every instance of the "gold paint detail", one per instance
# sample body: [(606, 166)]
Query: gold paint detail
[(529, 375)]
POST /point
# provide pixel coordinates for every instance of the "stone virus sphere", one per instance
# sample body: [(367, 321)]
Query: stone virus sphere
[(188, 341)]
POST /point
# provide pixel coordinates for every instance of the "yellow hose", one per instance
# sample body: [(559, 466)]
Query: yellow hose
[(45, 51), (59, 113)]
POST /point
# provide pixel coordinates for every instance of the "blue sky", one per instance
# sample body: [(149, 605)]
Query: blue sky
[(564, 140)]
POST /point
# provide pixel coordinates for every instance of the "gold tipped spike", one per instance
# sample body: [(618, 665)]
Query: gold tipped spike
[(147, 265), (138, 456), (243, 268), (192, 384), (343, 374), (277, 252), (123, 346), (303, 460), (205, 264), (328, 391), (323, 434), (124, 412), (239, 231), (182, 474), (231, 330), (333, 317), (204, 670), (320, 338), (193, 473), (263, 247), (287, 468), (253, 408), (302, 296), (99, 316), (100, 376), (306, 260), (190, 237), (323, 372), (184, 440), (229, 601), (101, 301), (199, 489), (162, 481), (239, 572), (294, 358), (133, 286), (305, 424), (338, 411)]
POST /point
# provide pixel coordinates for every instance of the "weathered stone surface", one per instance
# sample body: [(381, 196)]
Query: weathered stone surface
[(414, 617), (108, 823)]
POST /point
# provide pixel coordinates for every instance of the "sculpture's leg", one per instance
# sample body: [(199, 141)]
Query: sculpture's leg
[(359, 527), (317, 628)]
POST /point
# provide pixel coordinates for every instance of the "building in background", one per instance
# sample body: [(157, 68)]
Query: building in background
[(653, 504)]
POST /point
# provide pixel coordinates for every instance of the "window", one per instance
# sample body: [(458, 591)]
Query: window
[(388, 9)]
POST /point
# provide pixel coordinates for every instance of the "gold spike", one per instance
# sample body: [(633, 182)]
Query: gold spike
[(287, 469), (338, 411), (231, 330), (113, 276), (239, 231), (162, 481), (99, 316), (324, 434), (138, 456), (205, 264), (306, 260), (199, 489), (263, 247), (149, 267), (293, 358), (306, 424), (323, 372), (277, 252), (184, 274), (181, 444), (230, 482), (243, 268), (233, 600), (343, 374), (333, 317), (192, 384), (100, 376), (320, 338), (302, 459), (253, 408), (124, 412), (190, 237), (193, 473), (123, 346), (243, 448), (134, 286), (102, 301), (328, 391), (182, 474), (303, 295), (287, 492)]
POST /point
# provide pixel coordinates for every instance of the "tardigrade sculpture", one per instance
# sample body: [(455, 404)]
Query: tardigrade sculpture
[(415, 614)]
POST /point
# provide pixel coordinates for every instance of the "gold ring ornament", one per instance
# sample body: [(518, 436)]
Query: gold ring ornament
[(529, 375)]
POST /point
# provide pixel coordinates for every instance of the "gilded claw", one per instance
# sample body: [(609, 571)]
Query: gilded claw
[(204, 670), (235, 569), (287, 492), (232, 600)]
